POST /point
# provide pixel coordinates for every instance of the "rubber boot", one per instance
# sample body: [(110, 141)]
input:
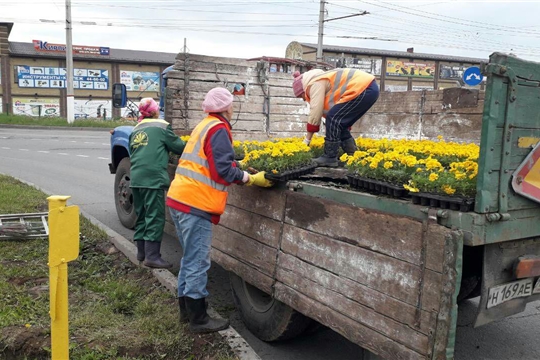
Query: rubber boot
[(153, 257), (184, 318), (140, 250), (199, 321), (349, 146), (329, 158)]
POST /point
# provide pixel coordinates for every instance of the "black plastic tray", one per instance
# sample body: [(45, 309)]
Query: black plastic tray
[(458, 203), (291, 174), (377, 187)]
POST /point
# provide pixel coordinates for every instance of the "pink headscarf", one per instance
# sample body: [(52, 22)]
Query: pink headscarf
[(148, 108), (297, 86), (217, 100)]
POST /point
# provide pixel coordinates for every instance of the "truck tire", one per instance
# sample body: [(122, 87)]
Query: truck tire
[(123, 198), (267, 318)]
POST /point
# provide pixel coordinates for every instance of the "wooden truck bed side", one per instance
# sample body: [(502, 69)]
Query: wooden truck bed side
[(386, 282)]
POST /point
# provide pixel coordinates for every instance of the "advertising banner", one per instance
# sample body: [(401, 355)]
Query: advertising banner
[(44, 46), (395, 88), (55, 78), (371, 66), (140, 80), (36, 107), (452, 72), (410, 69), (93, 109)]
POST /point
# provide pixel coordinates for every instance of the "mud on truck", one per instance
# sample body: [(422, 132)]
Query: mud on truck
[(385, 273)]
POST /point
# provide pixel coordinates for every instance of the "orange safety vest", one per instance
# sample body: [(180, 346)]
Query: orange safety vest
[(192, 184), (345, 85)]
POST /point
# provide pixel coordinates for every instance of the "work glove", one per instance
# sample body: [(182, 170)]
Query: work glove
[(259, 180)]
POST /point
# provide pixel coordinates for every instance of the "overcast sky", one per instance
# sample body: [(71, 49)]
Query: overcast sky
[(243, 28)]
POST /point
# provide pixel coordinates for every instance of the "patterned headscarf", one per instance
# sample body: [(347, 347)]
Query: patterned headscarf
[(148, 108)]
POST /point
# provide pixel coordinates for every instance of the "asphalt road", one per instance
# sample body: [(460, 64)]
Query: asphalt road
[(73, 162)]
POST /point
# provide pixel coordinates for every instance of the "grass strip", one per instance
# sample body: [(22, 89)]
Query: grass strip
[(117, 310), (56, 121)]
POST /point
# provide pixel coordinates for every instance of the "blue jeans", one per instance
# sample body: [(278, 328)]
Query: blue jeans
[(195, 235), (344, 115)]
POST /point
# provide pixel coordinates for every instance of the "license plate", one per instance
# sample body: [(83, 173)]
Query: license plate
[(506, 292), (537, 287)]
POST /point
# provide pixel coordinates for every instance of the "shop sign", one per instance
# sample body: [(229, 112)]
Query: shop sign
[(140, 80), (410, 69), (44, 46), (452, 72), (55, 78), (36, 107)]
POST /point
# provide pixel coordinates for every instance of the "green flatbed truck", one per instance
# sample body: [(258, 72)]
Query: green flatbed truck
[(383, 272)]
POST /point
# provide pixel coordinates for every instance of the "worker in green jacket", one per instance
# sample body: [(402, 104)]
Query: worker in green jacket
[(149, 144)]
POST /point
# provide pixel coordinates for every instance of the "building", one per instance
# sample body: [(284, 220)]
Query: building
[(395, 70), (32, 77)]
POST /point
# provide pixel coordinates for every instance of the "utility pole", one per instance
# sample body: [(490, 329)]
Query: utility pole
[(321, 30), (69, 67), (322, 12)]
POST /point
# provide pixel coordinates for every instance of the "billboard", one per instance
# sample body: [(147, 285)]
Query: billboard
[(55, 78), (140, 80), (371, 66), (93, 109), (410, 69), (36, 107), (452, 72), (44, 46)]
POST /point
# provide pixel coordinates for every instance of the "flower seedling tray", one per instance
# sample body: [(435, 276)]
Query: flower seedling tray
[(377, 187), (291, 174), (458, 203)]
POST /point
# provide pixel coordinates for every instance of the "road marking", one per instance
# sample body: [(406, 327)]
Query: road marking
[(24, 150), (44, 152), (89, 142), (102, 158), (84, 156), (5, 148), (62, 154), (72, 141)]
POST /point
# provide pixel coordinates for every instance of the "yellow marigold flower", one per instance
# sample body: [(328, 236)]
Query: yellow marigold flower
[(344, 157), (440, 137), (274, 171), (411, 187), (28, 325), (388, 165), (459, 175), (448, 189), (374, 164), (433, 177), (419, 170)]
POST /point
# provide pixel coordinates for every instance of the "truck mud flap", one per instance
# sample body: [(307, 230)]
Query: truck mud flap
[(498, 270)]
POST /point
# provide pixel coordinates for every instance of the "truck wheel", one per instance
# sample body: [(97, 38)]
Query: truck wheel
[(266, 317), (123, 198)]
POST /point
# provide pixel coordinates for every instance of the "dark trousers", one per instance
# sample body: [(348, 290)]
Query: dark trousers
[(342, 116), (150, 209)]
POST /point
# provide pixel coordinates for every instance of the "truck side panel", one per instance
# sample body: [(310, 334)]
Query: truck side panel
[(378, 279)]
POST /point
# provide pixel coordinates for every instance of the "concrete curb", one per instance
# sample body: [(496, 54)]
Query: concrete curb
[(40, 127), (236, 342)]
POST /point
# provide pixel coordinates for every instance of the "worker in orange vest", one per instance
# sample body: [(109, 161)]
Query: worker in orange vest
[(196, 199), (342, 96)]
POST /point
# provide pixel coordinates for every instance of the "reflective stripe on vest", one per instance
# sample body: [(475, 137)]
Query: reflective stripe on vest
[(345, 85), (151, 123), (200, 178), (193, 184)]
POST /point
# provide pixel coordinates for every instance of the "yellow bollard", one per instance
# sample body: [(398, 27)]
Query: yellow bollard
[(63, 247)]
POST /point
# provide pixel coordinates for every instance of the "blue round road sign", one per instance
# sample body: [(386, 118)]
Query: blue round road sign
[(472, 76)]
